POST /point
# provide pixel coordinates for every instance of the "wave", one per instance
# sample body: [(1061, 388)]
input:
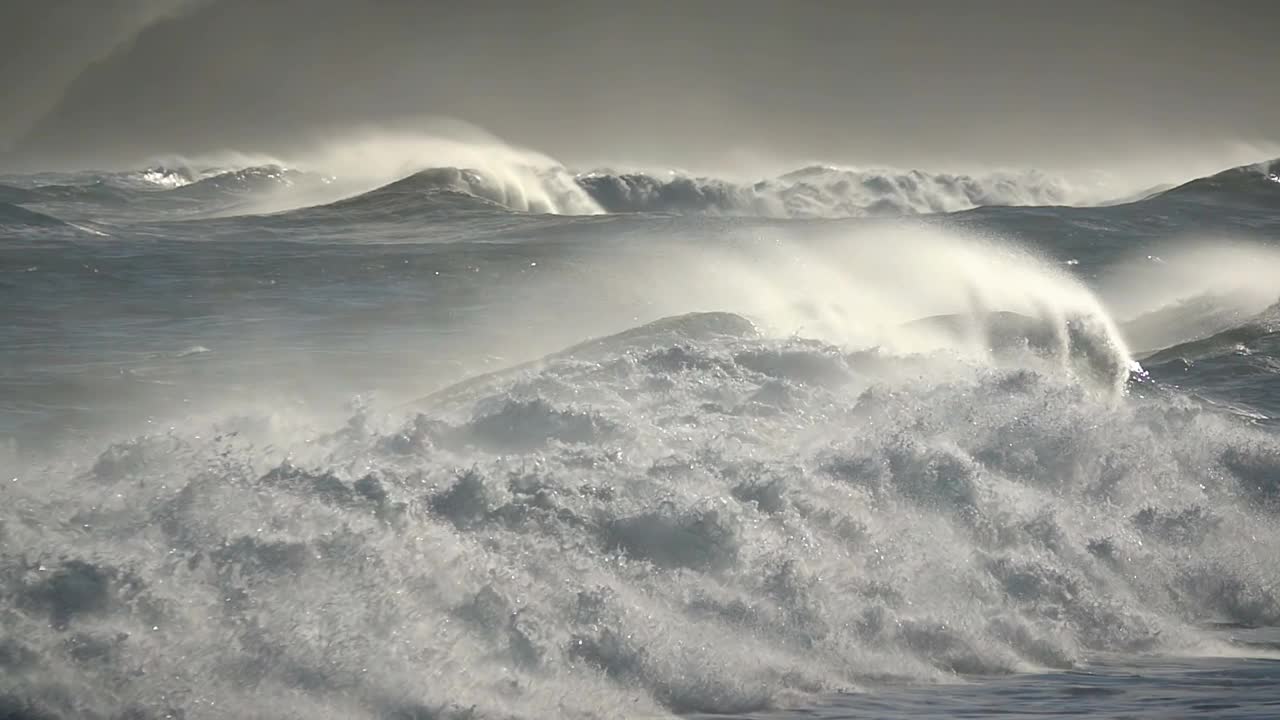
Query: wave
[(388, 169), (166, 178), (159, 177), (17, 216), (1182, 292), (1254, 185), (895, 454), (149, 184), (1204, 322), (468, 162), (1235, 340), (547, 191), (1234, 369), (108, 186), (823, 192), (810, 192), (253, 179), (98, 190), (12, 195), (815, 192), (527, 182), (489, 175), (691, 516)]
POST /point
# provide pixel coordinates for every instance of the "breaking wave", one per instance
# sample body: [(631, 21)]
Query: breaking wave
[(689, 516), (814, 192), (711, 512), (823, 192), (811, 192), (548, 191), (412, 174), (257, 178)]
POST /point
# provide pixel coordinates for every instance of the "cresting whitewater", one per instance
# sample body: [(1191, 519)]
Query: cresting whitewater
[(495, 439)]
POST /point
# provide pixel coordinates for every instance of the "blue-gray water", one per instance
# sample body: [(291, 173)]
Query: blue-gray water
[(835, 445)]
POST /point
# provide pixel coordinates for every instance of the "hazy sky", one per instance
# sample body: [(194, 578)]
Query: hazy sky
[(694, 83)]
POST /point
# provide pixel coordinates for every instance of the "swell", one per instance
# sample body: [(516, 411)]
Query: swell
[(11, 195), (161, 182), (1256, 185), (1221, 333), (18, 217), (1236, 340), (1194, 296)]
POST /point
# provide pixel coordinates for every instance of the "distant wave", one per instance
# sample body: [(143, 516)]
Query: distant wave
[(538, 191), (1257, 184), (820, 191), (166, 192), (158, 180), (1231, 333), (1197, 324), (161, 177), (95, 191), (811, 192), (816, 191), (244, 180), (15, 195)]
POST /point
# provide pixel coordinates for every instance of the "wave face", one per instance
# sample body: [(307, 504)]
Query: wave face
[(524, 190), (1257, 184), (17, 216), (15, 195)]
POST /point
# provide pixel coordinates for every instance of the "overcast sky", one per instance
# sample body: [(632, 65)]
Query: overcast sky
[(690, 83)]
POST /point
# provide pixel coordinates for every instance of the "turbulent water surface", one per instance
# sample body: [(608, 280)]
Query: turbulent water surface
[(520, 442)]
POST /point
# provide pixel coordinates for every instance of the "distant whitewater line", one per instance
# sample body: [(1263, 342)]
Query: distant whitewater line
[(822, 191), (510, 184), (811, 192)]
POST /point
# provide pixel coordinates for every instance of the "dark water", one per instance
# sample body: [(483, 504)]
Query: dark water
[(790, 450), (1104, 687)]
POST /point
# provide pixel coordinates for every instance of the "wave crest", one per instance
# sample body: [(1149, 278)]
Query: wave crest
[(815, 192), (822, 192), (1250, 185), (524, 189)]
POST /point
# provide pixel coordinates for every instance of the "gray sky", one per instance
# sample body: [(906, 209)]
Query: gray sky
[(698, 83)]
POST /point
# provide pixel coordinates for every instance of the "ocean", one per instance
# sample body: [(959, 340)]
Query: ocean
[(514, 442)]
